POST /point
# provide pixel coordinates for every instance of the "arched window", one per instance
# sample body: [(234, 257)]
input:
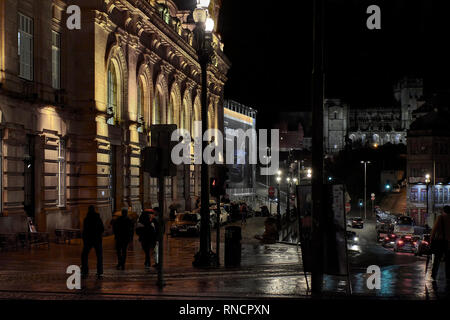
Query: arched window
[(157, 108), (183, 120), (112, 95), (170, 111), (140, 105)]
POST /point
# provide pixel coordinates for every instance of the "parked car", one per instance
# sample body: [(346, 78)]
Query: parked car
[(422, 245), (405, 244), (358, 222), (186, 224), (224, 217), (389, 240)]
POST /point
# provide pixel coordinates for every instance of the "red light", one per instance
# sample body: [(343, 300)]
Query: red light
[(415, 243), (400, 243), (387, 238), (214, 183), (408, 237), (425, 242)]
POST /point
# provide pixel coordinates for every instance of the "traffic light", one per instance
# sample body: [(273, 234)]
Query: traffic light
[(213, 187), (218, 185), (361, 203), (388, 187)]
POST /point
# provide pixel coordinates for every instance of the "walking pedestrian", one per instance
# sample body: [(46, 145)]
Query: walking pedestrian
[(157, 223), (92, 238), (146, 232), (244, 211), (122, 228), (440, 239)]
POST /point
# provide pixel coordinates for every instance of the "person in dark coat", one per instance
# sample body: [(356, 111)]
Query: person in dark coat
[(92, 238), (155, 218), (441, 231), (122, 228), (147, 234)]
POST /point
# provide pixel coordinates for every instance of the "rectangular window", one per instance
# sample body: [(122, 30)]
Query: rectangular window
[(56, 60), (25, 46), (413, 195), (168, 183), (423, 195), (61, 173)]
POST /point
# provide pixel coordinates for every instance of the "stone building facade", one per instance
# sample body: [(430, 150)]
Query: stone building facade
[(76, 105), (362, 126), (428, 154)]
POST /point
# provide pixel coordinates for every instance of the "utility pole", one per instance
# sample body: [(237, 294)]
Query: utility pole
[(317, 150)]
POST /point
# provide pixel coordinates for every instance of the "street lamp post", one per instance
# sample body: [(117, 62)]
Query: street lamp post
[(365, 188), (204, 27), (427, 182), (278, 198), (288, 194)]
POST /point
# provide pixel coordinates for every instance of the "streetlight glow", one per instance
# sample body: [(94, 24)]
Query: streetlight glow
[(278, 179), (203, 3), (200, 15), (209, 25)]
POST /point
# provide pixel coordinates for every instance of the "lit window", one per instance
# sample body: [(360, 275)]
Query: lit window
[(25, 47), (56, 60), (61, 173), (140, 106), (112, 94)]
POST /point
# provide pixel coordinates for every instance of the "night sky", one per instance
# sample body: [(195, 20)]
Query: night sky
[(270, 46)]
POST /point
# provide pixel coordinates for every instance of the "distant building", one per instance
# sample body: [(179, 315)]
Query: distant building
[(241, 173), (428, 154), (362, 126)]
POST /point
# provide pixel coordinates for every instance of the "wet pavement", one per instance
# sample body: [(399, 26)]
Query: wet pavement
[(266, 271)]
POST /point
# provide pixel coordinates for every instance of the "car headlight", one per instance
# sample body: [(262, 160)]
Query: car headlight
[(355, 239)]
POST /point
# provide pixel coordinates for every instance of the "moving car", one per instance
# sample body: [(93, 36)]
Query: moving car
[(186, 224), (405, 244), (352, 237), (358, 223), (404, 226), (422, 245), (389, 240), (383, 228)]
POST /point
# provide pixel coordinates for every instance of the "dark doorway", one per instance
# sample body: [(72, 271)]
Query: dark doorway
[(113, 178), (29, 188)]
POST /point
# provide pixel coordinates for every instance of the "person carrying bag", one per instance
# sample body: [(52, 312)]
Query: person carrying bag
[(439, 243)]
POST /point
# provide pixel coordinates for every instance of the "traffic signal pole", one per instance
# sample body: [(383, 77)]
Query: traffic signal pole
[(318, 211), (161, 183)]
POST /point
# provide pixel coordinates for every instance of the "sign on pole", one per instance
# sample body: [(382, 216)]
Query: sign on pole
[(271, 192)]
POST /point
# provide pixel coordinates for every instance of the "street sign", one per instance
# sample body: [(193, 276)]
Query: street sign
[(348, 207), (271, 192)]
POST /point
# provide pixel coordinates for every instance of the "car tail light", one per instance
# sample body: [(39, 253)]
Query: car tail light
[(387, 238), (407, 237), (400, 243), (415, 243), (425, 243)]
